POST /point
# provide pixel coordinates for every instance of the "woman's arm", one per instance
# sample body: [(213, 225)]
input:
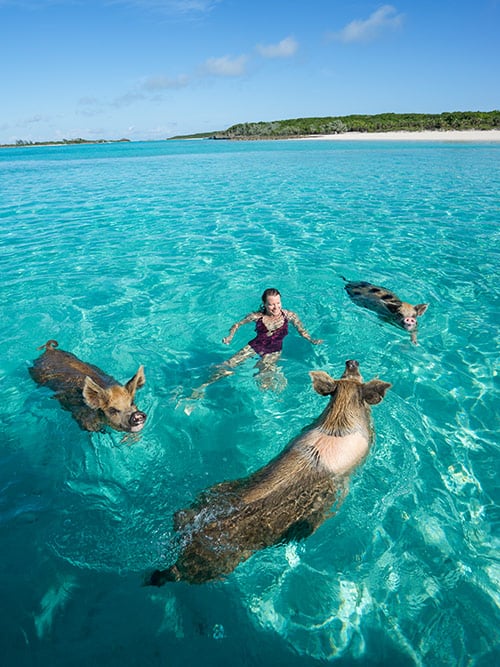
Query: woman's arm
[(295, 320), (251, 317)]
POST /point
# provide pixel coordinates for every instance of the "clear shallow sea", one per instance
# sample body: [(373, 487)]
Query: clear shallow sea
[(146, 253)]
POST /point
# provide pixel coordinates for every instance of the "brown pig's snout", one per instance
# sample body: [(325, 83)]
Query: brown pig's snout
[(137, 419), (351, 368)]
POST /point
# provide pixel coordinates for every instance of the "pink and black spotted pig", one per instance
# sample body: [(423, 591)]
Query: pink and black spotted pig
[(387, 305)]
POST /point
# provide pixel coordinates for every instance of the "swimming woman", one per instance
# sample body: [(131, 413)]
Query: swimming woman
[(271, 326)]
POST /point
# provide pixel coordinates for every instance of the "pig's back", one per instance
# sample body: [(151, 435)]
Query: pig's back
[(373, 297), (61, 370)]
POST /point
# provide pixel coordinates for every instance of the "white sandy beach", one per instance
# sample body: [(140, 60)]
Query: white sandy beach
[(427, 135)]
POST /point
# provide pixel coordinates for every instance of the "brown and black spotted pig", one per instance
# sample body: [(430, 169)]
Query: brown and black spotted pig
[(289, 497), (387, 305), (94, 399)]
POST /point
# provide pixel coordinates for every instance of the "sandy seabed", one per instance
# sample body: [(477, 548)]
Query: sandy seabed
[(427, 135)]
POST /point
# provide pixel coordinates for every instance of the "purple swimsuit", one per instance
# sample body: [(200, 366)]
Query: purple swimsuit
[(266, 343)]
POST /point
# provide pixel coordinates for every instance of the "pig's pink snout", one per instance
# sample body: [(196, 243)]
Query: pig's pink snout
[(137, 420), (409, 322)]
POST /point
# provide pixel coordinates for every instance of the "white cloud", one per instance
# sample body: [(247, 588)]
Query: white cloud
[(384, 18), (31, 4), (33, 120), (174, 7), (284, 49), (160, 82), (88, 101), (127, 99), (226, 66), (88, 106), (182, 7)]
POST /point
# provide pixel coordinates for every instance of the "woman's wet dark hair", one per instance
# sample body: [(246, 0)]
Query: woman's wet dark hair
[(270, 291)]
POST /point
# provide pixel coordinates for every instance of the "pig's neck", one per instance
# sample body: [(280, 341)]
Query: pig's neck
[(342, 420), (337, 455), (340, 439)]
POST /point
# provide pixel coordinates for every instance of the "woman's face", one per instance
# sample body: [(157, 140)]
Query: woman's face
[(273, 305)]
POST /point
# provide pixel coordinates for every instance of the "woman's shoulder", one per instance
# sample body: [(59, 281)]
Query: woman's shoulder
[(254, 315), (292, 317)]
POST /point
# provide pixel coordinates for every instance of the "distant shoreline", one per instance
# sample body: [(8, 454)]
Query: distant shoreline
[(425, 135), (64, 142), (451, 136)]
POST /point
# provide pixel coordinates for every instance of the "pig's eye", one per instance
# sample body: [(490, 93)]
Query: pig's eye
[(112, 411)]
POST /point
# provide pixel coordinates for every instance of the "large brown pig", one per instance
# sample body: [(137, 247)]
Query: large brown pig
[(289, 497), (96, 400), (387, 305)]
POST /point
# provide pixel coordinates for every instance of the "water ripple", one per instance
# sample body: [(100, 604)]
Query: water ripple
[(147, 254)]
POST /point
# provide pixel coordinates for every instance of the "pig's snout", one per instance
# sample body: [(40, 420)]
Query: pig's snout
[(137, 420), (351, 369), (409, 323)]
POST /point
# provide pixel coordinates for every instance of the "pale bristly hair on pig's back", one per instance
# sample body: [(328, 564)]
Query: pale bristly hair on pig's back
[(346, 415)]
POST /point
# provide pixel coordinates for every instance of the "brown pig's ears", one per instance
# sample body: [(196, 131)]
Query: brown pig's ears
[(92, 394), (323, 383), (374, 391), (136, 382), (421, 308)]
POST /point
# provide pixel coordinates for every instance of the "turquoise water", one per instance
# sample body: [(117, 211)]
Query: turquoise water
[(146, 253)]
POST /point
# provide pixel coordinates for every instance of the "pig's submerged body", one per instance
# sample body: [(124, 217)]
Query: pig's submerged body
[(94, 398), (234, 520), (285, 500)]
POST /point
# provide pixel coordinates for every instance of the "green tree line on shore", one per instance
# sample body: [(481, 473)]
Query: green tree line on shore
[(384, 122), (296, 127)]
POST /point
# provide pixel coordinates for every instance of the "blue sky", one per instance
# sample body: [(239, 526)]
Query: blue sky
[(152, 69)]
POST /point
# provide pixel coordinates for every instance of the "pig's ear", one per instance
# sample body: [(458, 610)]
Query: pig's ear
[(421, 308), (323, 383), (93, 395), (138, 381), (374, 391)]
